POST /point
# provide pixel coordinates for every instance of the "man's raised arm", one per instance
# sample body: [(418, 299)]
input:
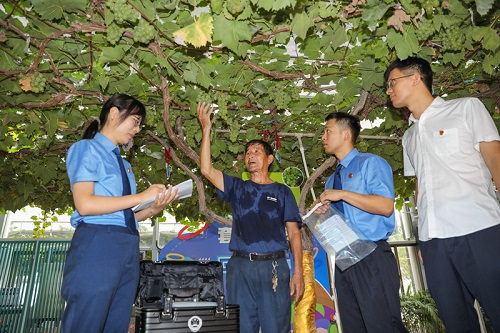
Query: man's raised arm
[(213, 175)]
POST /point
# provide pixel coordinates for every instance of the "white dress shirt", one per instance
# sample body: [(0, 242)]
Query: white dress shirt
[(456, 195)]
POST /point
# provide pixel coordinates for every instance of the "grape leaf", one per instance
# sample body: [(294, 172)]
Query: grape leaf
[(405, 45), (301, 24), (484, 6), (54, 9), (198, 33), (231, 32)]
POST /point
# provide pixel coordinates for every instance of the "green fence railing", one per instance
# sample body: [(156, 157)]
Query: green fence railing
[(30, 282)]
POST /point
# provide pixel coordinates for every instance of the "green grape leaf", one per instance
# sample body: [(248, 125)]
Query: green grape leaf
[(52, 124), (405, 45), (491, 40), (373, 13), (103, 81), (113, 54), (301, 24), (369, 74), (264, 4), (217, 6), (484, 6), (327, 9), (54, 9), (282, 4), (231, 32), (453, 58), (312, 48), (491, 62)]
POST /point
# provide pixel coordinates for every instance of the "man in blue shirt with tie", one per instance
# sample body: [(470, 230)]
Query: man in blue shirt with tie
[(362, 189)]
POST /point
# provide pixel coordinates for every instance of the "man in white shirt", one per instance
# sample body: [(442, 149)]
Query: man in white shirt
[(453, 150)]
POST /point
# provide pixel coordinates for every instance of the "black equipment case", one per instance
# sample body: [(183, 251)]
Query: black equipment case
[(197, 317), (183, 297)]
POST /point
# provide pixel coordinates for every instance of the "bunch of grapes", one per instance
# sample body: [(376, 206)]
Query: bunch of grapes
[(204, 97), (144, 32), (114, 33), (453, 39), (37, 83), (235, 7), (425, 30), (222, 99), (429, 5), (234, 130), (279, 96), (122, 11)]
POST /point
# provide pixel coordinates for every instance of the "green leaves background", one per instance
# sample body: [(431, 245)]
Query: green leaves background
[(279, 65)]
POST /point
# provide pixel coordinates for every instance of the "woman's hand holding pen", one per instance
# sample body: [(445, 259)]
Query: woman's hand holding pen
[(163, 197), (154, 190)]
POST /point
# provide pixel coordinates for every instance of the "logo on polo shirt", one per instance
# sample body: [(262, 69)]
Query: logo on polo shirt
[(272, 199)]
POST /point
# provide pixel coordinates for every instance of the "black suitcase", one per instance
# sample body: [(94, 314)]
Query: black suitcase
[(185, 280), (186, 317), (183, 297)]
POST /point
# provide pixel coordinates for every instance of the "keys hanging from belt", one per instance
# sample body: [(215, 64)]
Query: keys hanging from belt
[(275, 276)]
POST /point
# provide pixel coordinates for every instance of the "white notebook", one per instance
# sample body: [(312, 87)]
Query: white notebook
[(184, 190)]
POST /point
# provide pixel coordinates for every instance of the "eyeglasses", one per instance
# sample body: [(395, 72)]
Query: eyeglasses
[(392, 81), (137, 122)]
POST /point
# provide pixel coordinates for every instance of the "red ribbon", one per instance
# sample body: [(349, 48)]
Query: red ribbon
[(166, 152), (278, 143)]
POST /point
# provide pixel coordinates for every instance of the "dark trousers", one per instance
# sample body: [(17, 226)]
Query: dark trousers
[(458, 271), (368, 294), (249, 284), (100, 280)]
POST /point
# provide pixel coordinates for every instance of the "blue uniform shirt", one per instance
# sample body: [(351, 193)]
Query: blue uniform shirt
[(366, 173), (93, 160), (260, 213)]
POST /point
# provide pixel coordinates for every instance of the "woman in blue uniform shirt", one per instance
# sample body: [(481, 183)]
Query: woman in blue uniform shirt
[(102, 265)]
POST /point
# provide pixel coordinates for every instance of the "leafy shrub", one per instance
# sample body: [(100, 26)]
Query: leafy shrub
[(420, 314)]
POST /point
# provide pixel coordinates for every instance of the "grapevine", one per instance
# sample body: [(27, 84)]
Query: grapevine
[(144, 32)]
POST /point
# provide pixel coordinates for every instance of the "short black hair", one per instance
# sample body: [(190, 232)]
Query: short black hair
[(345, 120), (267, 147), (415, 64)]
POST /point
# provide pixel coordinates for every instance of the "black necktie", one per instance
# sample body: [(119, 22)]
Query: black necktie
[(129, 214), (337, 185)]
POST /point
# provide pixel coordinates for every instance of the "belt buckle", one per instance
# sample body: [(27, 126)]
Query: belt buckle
[(250, 255)]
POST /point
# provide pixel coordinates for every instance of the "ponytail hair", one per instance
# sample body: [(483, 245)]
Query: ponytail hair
[(127, 106), (92, 129)]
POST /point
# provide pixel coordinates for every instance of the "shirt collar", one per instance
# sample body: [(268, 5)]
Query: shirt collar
[(349, 157), (105, 142), (438, 101)]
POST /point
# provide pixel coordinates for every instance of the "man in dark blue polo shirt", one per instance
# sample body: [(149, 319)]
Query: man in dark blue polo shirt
[(258, 276)]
